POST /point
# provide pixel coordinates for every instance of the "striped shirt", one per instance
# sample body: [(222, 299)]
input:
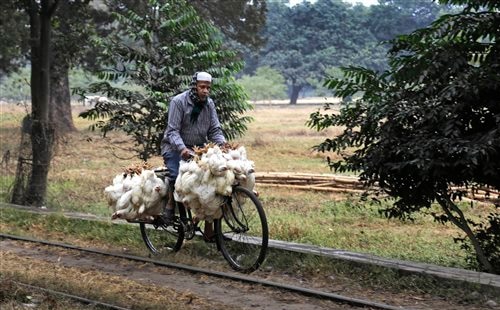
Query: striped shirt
[(181, 133)]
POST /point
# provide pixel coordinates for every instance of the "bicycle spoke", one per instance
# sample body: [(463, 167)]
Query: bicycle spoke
[(243, 232), (162, 238)]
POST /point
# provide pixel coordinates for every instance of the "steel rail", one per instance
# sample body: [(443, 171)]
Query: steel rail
[(235, 277), (82, 300)]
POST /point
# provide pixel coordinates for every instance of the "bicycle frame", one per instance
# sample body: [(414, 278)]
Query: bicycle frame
[(241, 234)]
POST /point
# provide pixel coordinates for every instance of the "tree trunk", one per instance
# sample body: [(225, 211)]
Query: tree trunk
[(42, 140), (62, 55), (60, 97), (295, 93), (42, 133), (461, 222), (24, 163), (34, 18)]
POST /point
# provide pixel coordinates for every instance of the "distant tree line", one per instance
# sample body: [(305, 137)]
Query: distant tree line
[(303, 44), (308, 41)]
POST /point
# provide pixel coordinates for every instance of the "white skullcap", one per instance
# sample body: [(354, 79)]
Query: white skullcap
[(203, 76)]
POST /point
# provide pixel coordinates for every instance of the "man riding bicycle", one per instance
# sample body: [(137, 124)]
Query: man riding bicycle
[(192, 121)]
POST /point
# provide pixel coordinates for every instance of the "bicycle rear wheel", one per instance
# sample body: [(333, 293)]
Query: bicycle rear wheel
[(163, 238), (242, 232)]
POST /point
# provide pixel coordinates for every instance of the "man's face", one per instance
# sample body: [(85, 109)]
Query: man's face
[(203, 89)]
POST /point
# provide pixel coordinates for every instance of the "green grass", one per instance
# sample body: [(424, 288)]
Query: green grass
[(84, 164), (359, 227), (24, 223)]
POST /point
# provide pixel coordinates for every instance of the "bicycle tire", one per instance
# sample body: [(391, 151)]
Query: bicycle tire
[(242, 234), (162, 238)]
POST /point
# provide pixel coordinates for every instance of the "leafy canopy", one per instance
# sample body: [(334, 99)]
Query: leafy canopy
[(304, 40), (431, 122), (159, 51)]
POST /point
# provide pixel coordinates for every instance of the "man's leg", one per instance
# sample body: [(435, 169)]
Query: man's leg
[(169, 210), (171, 160), (209, 231)]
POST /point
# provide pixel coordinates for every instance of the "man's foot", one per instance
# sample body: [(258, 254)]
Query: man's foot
[(209, 239), (168, 216)]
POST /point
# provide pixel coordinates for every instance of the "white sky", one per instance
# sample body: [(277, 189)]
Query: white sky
[(364, 2)]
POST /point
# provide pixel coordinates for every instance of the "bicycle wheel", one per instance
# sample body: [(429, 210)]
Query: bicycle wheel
[(162, 238), (242, 232)]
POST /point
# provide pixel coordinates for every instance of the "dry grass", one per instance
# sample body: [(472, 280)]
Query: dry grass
[(119, 290), (278, 140)]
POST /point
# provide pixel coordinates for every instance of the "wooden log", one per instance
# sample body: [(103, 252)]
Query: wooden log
[(333, 182), (327, 189), (307, 178)]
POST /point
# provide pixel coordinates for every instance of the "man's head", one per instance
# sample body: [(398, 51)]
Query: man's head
[(202, 82)]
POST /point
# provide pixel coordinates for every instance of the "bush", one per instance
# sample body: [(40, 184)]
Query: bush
[(266, 84)]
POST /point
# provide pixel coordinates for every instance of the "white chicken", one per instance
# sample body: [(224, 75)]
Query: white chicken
[(115, 191), (203, 183), (153, 190), (124, 207), (136, 196)]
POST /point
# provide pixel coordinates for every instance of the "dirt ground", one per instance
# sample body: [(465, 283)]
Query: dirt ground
[(147, 286)]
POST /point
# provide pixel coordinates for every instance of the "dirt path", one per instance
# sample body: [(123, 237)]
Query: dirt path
[(218, 293), (193, 291)]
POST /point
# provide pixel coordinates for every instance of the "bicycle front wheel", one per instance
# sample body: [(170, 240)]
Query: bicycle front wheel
[(162, 238), (242, 232)]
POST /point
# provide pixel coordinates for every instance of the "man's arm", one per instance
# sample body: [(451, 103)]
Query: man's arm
[(215, 130), (174, 124)]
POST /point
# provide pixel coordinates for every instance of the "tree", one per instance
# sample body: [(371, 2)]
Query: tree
[(266, 84), (304, 40), (71, 34), (430, 123), (395, 17), (42, 132), (14, 50), (159, 50), (240, 20), (68, 29)]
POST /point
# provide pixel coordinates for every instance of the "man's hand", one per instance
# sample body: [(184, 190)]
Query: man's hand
[(186, 153)]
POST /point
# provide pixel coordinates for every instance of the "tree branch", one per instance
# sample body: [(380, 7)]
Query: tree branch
[(53, 8)]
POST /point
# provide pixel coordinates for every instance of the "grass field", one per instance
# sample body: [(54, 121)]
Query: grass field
[(277, 140)]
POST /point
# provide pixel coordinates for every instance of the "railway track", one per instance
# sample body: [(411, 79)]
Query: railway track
[(82, 300), (341, 299)]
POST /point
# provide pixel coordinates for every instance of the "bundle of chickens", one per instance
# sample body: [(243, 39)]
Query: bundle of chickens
[(208, 177), (136, 194)]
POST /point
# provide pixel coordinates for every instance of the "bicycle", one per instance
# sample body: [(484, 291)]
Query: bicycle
[(241, 234)]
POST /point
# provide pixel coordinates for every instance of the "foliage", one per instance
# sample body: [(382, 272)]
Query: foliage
[(431, 122), (242, 21), (14, 49), (488, 235), (307, 38), (395, 17), (319, 88), (266, 84), (15, 86), (159, 51)]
